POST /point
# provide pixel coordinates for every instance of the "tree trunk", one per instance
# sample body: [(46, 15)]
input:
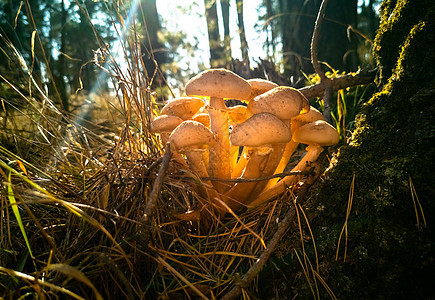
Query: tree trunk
[(271, 39), (153, 49), (338, 46), (386, 169), (62, 69), (214, 39), (225, 8), (243, 42)]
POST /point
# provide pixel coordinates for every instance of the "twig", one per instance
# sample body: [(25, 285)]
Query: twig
[(327, 94), (237, 180), (157, 185), (315, 40)]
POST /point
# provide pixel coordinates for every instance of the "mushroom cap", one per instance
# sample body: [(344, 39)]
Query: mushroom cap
[(183, 107), (311, 116), (219, 83), (190, 135), (260, 129), (283, 101), (203, 118), (165, 123), (237, 114), (316, 133), (260, 86)]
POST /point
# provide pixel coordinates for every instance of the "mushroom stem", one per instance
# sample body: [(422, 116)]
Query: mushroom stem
[(290, 147), (241, 164), (270, 167), (197, 160), (313, 152), (257, 160), (296, 122), (219, 163)]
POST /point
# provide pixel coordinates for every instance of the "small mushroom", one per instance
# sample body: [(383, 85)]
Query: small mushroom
[(164, 125), (290, 147), (283, 101), (193, 139), (183, 107), (316, 135), (260, 86), (262, 134), (219, 84)]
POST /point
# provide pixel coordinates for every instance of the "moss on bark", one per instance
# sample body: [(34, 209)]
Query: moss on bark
[(388, 254)]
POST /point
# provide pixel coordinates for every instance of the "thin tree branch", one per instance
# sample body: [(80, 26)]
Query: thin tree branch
[(315, 41), (341, 82), (327, 93)]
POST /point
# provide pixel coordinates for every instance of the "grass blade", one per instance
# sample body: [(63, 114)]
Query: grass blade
[(17, 215)]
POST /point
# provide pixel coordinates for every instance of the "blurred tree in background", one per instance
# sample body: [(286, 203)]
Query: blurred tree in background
[(153, 50), (347, 29), (61, 44)]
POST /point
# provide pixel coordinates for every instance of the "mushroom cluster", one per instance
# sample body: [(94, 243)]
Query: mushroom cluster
[(253, 141)]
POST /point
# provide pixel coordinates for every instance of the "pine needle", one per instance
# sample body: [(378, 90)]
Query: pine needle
[(417, 204)]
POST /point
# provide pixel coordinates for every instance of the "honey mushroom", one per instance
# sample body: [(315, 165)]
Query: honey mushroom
[(261, 135), (260, 86), (172, 114), (285, 103), (163, 125), (316, 135), (290, 147), (239, 114), (194, 140), (183, 107), (263, 128), (219, 84)]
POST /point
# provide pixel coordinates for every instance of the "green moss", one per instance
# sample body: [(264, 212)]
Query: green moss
[(397, 19)]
